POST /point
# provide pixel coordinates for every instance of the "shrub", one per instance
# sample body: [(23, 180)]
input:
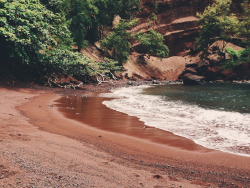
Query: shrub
[(236, 57), (153, 43), (33, 36), (117, 43), (216, 23)]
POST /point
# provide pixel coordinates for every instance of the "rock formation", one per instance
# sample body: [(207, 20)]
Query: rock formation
[(176, 21)]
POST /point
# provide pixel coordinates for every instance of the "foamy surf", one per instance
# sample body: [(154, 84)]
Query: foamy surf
[(221, 130)]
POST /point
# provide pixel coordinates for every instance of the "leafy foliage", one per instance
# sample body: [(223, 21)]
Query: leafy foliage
[(117, 43), (88, 19), (27, 28), (236, 57), (216, 23), (34, 36), (244, 26), (153, 43), (65, 62)]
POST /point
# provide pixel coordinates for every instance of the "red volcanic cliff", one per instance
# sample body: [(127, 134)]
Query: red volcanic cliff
[(176, 21)]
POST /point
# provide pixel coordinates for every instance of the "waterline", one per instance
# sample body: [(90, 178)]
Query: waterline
[(215, 129)]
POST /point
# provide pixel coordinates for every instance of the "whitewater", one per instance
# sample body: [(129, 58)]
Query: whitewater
[(215, 129)]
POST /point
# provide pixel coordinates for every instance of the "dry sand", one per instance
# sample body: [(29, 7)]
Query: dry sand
[(39, 147)]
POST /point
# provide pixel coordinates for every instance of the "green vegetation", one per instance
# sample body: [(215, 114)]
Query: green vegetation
[(244, 27), (87, 20), (236, 57), (35, 40), (218, 24), (38, 36), (152, 42), (117, 44)]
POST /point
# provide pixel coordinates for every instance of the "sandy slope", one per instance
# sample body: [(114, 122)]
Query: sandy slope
[(70, 154)]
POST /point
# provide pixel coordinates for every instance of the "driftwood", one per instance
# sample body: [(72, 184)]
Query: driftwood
[(55, 82), (102, 78)]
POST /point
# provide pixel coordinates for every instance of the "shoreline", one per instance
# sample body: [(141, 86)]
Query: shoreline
[(97, 115), (172, 164)]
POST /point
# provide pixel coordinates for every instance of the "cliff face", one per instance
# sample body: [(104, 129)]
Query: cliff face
[(176, 21)]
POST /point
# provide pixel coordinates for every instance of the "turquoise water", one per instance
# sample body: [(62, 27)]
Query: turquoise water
[(227, 97)]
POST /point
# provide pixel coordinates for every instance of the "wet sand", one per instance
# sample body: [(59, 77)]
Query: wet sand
[(91, 111), (74, 149)]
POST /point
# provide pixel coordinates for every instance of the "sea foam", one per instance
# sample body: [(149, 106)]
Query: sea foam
[(215, 129)]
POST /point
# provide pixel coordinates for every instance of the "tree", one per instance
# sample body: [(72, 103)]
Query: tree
[(152, 42), (26, 28), (32, 37), (89, 18), (244, 27), (117, 43), (216, 23)]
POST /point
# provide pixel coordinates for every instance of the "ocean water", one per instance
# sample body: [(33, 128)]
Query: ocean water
[(214, 116)]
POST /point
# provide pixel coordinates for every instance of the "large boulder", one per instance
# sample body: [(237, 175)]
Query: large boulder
[(242, 71), (213, 73), (191, 79), (145, 67)]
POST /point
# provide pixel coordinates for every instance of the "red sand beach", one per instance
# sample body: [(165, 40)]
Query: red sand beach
[(40, 146)]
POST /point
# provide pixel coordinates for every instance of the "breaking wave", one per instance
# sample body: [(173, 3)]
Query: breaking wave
[(216, 129)]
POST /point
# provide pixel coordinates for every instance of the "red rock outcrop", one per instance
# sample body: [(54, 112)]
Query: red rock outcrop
[(176, 21)]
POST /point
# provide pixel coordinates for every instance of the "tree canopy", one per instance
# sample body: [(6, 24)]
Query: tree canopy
[(35, 39), (38, 35), (88, 19), (216, 23), (244, 26), (117, 43), (153, 43)]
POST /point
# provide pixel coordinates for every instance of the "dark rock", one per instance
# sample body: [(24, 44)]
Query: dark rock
[(193, 51), (215, 48), (202, 69), (242, 71), (193, 65), (219, 81), (126, 75), (191, 79), (142, 59), (190, 70), (129, 83), (213, 73), (137, 76), (156, 82), (242, 67), (157, 176), (231, 77), (228, 75), (186, 71)]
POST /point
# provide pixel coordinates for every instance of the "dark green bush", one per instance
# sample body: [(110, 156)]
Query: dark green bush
[(153, 43), (236, 57)]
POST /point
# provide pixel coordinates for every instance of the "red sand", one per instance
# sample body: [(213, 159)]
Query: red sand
[(65, 152)]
